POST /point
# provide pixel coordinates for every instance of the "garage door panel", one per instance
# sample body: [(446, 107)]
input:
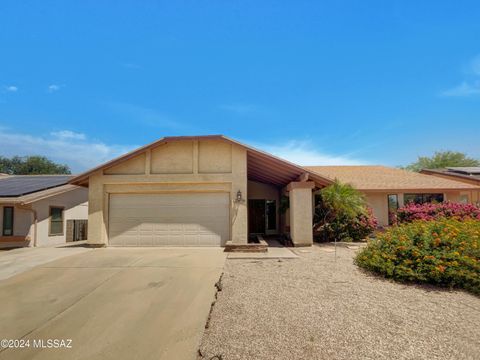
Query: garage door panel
[(169, 219)]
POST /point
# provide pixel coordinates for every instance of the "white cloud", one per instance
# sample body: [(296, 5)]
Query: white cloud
[(464, 89), (467, 88), (66, 146), (304, 153), (67, 134), (53, 88), (11, 88)]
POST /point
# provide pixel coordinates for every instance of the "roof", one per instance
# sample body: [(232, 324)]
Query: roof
[(469, 170), (382, 178), (262, 166), (18, 185), (39, 195), (467, 173)]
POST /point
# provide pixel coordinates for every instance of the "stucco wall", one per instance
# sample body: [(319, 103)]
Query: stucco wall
[(135, 165), (379, 204), (378, 201), (301, 213), (75, 208), (473, 195), (21, 221), (178, 166)]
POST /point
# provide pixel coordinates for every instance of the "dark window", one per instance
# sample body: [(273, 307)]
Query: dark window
[(7, 221), (56, 221), (392, 208), (423, 198), (271, 208)]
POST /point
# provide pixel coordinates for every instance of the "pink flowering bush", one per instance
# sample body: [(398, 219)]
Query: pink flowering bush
[(362, 226), (346, 228), (436, 211)]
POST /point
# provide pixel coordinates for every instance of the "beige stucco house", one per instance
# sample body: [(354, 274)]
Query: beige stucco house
[(214, 191), (41, 210), (468, 175), (197, 191), (387, 188)]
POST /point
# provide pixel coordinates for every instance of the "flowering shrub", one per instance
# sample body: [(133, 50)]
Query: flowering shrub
[(347, 228), (444, 252), (434, 211), (342, 214), (362, 226)]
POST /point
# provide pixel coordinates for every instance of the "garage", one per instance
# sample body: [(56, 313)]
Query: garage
[(180, 219)]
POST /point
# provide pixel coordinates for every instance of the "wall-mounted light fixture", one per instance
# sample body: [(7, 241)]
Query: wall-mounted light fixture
[(239, 196)]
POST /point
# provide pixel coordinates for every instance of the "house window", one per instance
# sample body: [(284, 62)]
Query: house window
[(56, 221), (392, 208), (463, 198), (423, 198), (7, 221)]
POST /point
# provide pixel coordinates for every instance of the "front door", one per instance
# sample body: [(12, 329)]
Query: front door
[(256, 216)]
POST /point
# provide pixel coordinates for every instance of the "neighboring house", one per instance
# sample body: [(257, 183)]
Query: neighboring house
[(468, 175), (41, 210), (214, 191), (197, 191), (387, 188)]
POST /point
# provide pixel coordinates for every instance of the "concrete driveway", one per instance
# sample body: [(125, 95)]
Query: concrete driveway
[(16, 261), (139, 303)]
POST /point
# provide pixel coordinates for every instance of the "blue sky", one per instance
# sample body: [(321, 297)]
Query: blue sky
[(330, 82)]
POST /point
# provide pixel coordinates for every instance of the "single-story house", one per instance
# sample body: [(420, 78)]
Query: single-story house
[(215, 191), (468, 175), (386, 189), (41, 210), (197, 191)]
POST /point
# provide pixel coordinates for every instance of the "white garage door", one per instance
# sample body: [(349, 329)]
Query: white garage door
[(169, 219)]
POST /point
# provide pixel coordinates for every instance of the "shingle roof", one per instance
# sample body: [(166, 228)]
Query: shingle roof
[(18, 185), (377, 178)]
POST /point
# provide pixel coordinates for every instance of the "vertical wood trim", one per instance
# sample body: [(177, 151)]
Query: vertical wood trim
[(148, 162), (106, 216), (195, 157)]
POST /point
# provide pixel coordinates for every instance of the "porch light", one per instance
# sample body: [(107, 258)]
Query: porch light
[(239, 196)]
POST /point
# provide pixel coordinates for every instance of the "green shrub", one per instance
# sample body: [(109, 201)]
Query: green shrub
[(445, 252), (341, 214)]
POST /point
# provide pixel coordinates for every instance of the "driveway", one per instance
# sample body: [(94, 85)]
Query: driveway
[(316, 307), (113, 303), (16, 261)]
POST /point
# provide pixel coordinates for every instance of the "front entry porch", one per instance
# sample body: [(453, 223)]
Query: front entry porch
[(278, 201)]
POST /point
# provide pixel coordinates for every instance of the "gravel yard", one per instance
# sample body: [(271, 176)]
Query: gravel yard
[(315, 308)]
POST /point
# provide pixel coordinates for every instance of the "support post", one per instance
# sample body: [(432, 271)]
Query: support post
[(301, 220)]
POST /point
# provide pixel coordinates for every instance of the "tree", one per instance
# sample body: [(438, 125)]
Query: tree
[(343, 199), (442, 159), (341, 213), (31, 165)]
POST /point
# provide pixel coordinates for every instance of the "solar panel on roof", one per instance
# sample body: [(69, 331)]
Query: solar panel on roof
[(19, 185), (469, 170)]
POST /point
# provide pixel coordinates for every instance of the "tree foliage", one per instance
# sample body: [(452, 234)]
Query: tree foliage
[(341, 214), (31, 165), (343, 199), (442, 159)]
